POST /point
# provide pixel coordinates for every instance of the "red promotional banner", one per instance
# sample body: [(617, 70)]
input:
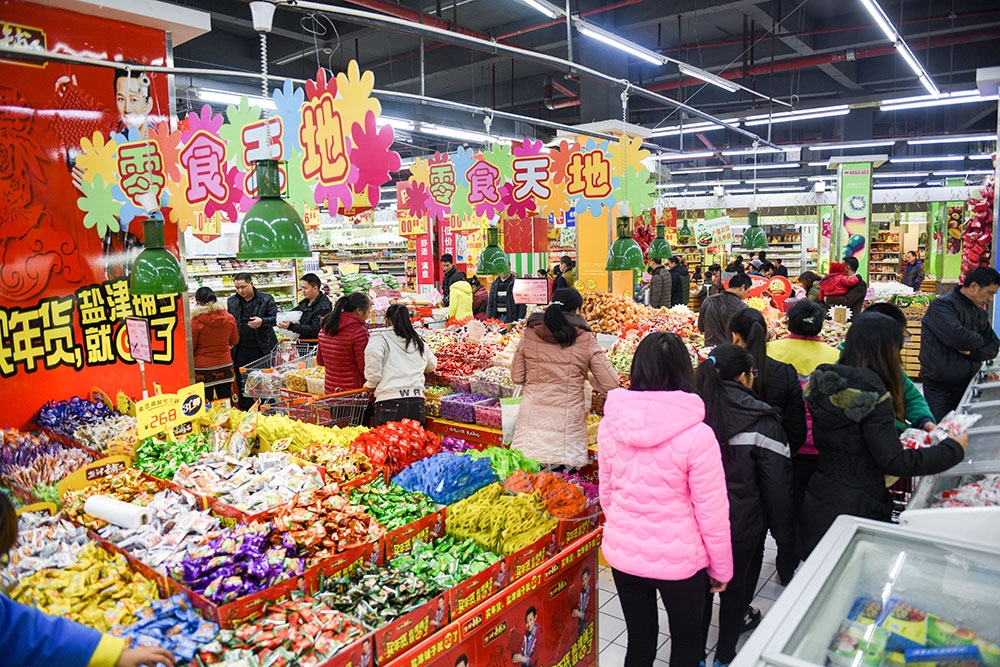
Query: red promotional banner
[(525, 235), (64, 272)]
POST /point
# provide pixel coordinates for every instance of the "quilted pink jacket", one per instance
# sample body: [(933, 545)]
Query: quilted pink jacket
[(663, 488)]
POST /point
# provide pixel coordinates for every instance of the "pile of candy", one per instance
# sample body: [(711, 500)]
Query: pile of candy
[(590, 490), (43, 541), (28, 461), (982, 492), (378, 596), (498, 522), (505, 461), (447, 478), (272, 428), (100, 435), (461, 407), (494, 381), (252, 484), (432, 399), (562, 499), (390, 504), (450, 443), (341, 465), (297, 631), (161, 459), (172, 624), (395, 445), (98, 589), (322, 524), (297, 380), (236, 562), (469, 350), (456, 367), (446, 562), (178, 523), (64, 417), (128, 486)]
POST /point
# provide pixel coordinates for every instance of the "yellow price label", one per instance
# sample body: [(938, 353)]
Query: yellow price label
[(39, 507), (163, 413), (82, 477), (348, 269)]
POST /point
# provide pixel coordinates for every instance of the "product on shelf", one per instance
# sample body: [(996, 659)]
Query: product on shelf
[(445, 477), (271, 428), (64, 417), (129, 486), (297, 380), (432, 399), (505, 461), (392, 505), (341, 464), (161, 459), (99, 435), (43, 541), (499, 522), (563, 500), (98, 589), (34, 462), (460, 407), (321, 524), (494, 381), (172, 624), (395, 445), (447, 561), (450, 443), (974, 492)]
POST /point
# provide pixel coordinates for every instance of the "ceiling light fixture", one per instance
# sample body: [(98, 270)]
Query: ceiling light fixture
[(926, 158), (625, 253), (592, 31), (396, 123), (707, 77), (969, 172), (821, 178), (822, 163), (981, 156), (751, 151), (911, 59), (674, 157), (690, 128), (898, 184), (493, 260), (546, 8), (766, 165), (951, 139), (759, 181), (924, 101), (903, 174), (699, 170), (798, 114), (881, 19), (223, 97), (852, 144), (787, 188)]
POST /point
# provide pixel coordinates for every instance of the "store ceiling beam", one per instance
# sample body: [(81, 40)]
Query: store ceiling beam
[(558, 64)]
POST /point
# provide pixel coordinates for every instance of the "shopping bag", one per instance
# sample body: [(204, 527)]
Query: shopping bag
[(509, 409)]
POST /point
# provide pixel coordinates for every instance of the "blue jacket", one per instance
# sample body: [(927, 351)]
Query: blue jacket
[(29, 638)]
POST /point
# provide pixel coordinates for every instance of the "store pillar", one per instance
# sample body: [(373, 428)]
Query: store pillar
[(852, 225)]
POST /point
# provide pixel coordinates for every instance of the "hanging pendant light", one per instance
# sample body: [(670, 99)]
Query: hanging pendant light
[(660, 247), (493, 260), (155, 270), (754, 237), (625, 253), (272, 228)]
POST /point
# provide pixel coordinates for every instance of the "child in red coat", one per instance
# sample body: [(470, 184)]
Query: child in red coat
[(838, 282)]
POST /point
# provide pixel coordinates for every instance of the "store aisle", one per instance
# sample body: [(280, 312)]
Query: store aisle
[(611, 626)]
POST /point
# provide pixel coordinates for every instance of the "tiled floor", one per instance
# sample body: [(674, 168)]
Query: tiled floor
[(611, 626)]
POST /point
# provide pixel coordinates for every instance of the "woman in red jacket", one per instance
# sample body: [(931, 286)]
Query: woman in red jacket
[(342, 342), (213, 335)]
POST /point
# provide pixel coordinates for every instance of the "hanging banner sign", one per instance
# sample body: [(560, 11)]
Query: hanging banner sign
[(854, 214), (163, 413), (715, 232), (412, 226)]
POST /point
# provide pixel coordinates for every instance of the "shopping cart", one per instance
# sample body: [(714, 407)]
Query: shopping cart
[(342, 409), (264, 377)]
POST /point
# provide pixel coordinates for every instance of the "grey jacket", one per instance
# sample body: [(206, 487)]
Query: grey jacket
[(660, 288)]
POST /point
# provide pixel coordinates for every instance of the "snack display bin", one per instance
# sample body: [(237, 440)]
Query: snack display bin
[(947, 581)]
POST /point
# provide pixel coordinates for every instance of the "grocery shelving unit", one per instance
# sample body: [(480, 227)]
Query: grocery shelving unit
[(374, 248), (885, 252), (276, 277)]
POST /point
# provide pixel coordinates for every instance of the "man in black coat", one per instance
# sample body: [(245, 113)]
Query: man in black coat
[(680, 282), (855, 297), (314, 307), (256, 314), (956, 336), (451, 276), (500, 305)]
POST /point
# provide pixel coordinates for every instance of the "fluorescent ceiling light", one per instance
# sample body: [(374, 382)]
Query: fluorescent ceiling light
[(459, 134), (821, 178), (787, 188), (223, 97), (951, 139), (758, 181), (722, 182), (898, 184), (739, 192), (903, 174), (694, 193), (823, 163), (751, 151), (674, 157), (924, 101), (911, 59), (699, 170), (766, 165), (881, 19), (592, 31), (798, 114), (691, 128), (546, 8), (982, 156), (970, 172), (927, 158), (852, 144), (397, 123), (668, 186), (707, 77)]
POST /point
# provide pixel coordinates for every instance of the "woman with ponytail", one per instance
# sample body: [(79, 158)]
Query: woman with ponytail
[(342, 342), (553, 360), (758, 465), (395, 362)]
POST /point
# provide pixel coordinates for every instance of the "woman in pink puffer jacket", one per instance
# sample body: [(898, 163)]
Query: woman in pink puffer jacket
[(663, 490)]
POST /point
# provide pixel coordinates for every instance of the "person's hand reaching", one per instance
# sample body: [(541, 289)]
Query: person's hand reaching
[(146, 655), (961, 438), (717, 586)]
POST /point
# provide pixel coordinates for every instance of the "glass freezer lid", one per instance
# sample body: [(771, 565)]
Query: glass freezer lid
[(888, 592), (983, 453), (956, 490)]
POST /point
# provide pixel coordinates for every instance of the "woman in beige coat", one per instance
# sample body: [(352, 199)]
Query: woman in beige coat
[(552, 362)]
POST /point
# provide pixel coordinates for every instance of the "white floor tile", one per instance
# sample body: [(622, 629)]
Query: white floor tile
[(612, 656), (770, 590), (610, 627), (663, 653), (605, 581), (605, 598), (614, 609), (713, 637)]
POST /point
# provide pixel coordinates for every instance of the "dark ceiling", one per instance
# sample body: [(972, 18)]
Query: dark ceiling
[(809, 53)]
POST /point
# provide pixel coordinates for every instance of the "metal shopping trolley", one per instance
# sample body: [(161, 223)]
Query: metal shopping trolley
[(264, 377), (342, 409)]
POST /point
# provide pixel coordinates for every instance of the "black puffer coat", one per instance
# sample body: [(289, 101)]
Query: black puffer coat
[(784, 392), (954, 323), (262, 305), (758, 468), (855, 433)]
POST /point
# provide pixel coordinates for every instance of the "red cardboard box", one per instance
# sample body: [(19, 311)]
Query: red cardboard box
[(400, 540), (344, 564), (239, 611), (412, 628)]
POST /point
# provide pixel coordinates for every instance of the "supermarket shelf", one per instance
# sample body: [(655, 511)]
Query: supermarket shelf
[(229, 273), (227, 288)]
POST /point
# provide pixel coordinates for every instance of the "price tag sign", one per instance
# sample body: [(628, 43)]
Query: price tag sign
[(106, 467), (373, 266), (347, 269), (163, 413), (139, 340), (531, 291), (381, 304)]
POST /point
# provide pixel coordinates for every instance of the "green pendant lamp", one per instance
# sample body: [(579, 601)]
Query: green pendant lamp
[(625, 254), (660, 247), (155, 270), (272, 228), (493, 260), (754, 237)]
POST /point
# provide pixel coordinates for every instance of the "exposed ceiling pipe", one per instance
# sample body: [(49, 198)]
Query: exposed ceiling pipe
[(969, 36), (572, 99), (551, 62)]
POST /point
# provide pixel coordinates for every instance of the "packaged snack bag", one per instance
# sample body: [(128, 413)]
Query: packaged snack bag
[(950, 656), (855, 640)]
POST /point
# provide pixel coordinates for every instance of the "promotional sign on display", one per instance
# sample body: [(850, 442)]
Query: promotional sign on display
[(715, 232), (139, 339), (173, 413), (769, 291), (105, 467), (531, 291), (854, 202)]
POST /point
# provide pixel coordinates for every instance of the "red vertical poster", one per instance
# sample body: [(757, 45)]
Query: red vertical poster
[(425, 262), (63, 277), (446, 239)]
